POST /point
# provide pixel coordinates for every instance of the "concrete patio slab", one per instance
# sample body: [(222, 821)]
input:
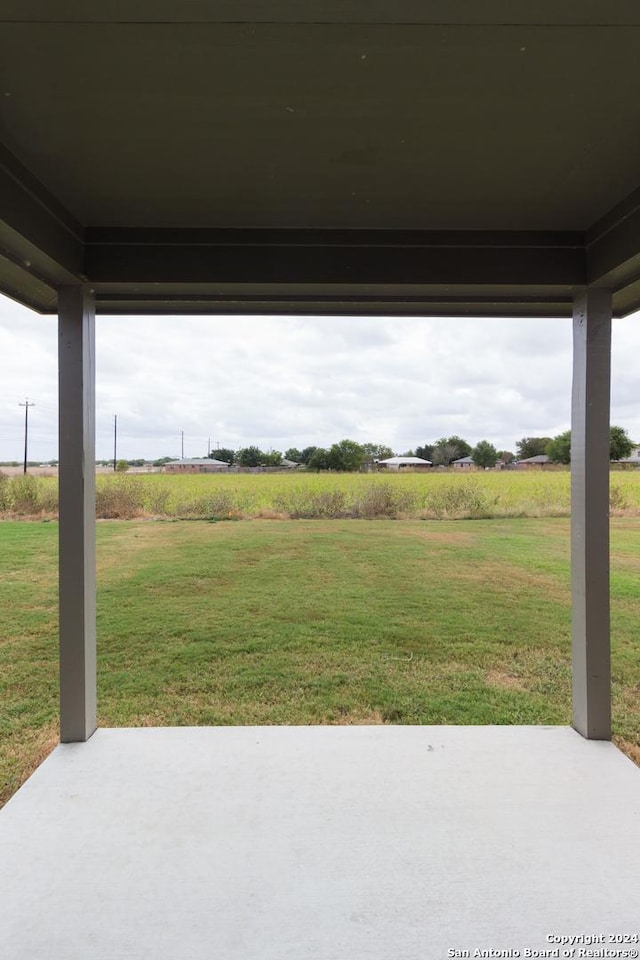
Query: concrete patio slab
[(332, 843)]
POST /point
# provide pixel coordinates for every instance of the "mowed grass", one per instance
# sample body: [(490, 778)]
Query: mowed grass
[(306, 622), (431, 495)]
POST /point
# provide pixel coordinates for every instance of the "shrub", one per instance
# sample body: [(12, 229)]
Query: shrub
[(120, 498), (5, 493), (618, 499), (459, 501), (383, 500), (307, 504), (157, 501), (25, 496), (217, 505)]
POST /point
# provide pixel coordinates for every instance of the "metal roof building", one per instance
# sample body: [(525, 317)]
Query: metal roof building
[(396, 463), (198, 464)]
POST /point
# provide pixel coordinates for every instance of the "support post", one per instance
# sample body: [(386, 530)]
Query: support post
[(76, 371), (590, 513)]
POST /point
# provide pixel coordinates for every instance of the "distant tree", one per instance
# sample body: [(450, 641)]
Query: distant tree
[(376, 451), (531, 447), (559, 449), (506, 456), (160, 462), (224, 454), (319, 459), (484, 454), (293, 454), (136, 463), (347, 456), (425, 452), (621, 446), (464, 448), (249, 457), (306, 454), (272, 459), (122, 466), (447, 449)]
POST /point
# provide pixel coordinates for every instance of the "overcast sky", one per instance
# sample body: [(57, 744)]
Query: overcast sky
[(281, 382)]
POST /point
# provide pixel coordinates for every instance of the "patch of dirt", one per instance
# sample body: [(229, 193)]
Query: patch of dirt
[(632, 750), (135, 537), (504, 681), (504, 575), (358, 718), (455, 537), (271, 515), (619, 559), (42, 743)]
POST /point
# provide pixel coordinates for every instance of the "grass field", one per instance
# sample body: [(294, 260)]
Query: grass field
[(312, 622), (323, 496)]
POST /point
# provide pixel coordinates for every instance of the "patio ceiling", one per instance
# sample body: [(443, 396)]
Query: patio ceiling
[(395, 157)]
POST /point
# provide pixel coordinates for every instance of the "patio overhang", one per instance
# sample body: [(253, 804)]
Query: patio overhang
[(394, 157), (439, 158)]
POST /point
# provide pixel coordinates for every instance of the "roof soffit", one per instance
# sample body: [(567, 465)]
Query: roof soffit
[(447, 151)]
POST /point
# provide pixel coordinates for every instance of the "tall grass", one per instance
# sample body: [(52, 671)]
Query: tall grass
[(438, 496)]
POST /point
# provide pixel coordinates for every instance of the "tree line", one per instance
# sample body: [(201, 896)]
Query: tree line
[(345, 456), (349, 455), (558, 449)]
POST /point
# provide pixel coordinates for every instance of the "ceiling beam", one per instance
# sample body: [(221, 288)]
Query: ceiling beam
[(36, 232), (437, 12), (613, 246), (150, 303), (321, 256)]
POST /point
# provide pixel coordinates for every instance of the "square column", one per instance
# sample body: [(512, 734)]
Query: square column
[(76, 371), (590, 513)]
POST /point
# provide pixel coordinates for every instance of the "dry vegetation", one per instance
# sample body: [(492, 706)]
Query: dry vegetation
[(309, 496)]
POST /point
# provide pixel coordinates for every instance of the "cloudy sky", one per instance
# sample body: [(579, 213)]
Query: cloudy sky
[(291, 382)]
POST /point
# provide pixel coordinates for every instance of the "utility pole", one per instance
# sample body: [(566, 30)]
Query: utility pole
[(209, 447), (182, 439), (115, 442), (26, 406)]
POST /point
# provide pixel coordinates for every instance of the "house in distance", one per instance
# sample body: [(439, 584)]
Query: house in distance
[(195, 465), (539, 462), (404, 463), (464, 463)]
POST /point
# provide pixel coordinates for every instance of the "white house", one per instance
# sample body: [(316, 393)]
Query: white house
[(404, 463), (196, 465)]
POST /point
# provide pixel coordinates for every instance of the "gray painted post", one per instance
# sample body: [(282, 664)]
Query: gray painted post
[(76, 366), (590, 513)]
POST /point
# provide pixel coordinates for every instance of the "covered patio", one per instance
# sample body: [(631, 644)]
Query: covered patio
[(331, 842), (380, 159)]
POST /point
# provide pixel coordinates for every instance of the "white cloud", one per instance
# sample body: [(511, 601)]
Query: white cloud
[(294, 381)]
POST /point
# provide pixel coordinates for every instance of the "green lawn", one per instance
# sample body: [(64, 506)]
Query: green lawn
[(312, 622)]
